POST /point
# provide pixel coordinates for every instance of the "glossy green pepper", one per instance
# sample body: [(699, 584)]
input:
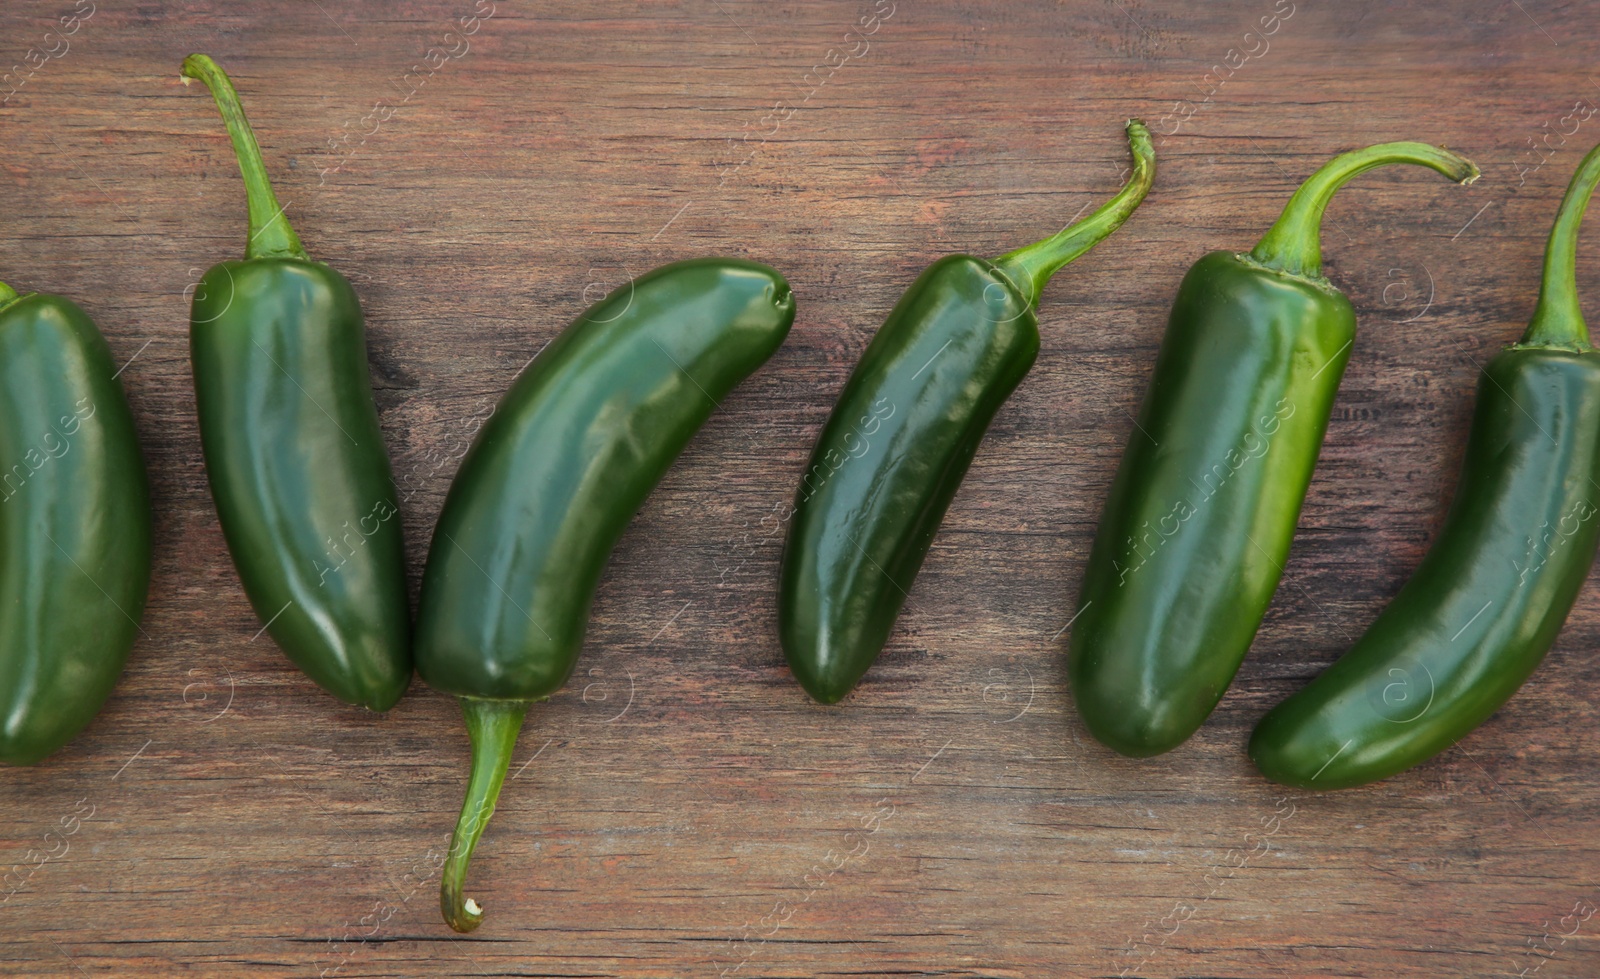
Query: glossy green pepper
[(549, 485), (1485, 605), (1203, 508), (74, 524), (292, 446), (902, 434)]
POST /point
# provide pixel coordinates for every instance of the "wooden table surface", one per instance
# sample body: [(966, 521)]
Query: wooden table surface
[(681, 809)]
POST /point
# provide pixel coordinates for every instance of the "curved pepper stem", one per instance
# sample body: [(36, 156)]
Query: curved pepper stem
[(270, 233), (1030, 268), (1558, 318), (8, 295), (493, 726), (1294, 243)]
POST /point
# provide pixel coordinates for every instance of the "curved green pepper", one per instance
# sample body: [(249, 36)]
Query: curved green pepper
[(1203, 508), (74, 525), (549, 485), (1484, 606), (293, 449), (902, 434)]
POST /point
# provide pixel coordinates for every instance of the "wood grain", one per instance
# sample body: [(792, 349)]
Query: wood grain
[(681, 809)]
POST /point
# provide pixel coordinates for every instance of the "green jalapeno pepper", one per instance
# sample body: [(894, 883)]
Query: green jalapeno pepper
[(1485, 605), (292, 445), (1203, 508), (74, 525), (549, 485), (902, 434)]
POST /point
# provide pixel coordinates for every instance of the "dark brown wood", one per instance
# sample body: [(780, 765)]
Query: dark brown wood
[(680, 808)]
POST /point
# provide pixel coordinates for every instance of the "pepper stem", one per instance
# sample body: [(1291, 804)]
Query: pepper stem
[(492, 725), (1029, 268), (8, 295), (1558, 318), (1294, 243), (270, 233)]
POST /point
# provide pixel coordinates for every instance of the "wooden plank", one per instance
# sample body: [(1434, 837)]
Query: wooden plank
[(683, 810)]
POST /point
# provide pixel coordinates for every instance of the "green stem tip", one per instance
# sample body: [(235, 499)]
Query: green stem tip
[(8, 295), (1029, 268), (493, 726), (1558, 317), (270, 233), (1294, 243)]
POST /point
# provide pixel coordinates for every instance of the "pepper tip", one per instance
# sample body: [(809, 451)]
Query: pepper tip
[(465, 918), (462, 915), (194, 67), (1469, 172)]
